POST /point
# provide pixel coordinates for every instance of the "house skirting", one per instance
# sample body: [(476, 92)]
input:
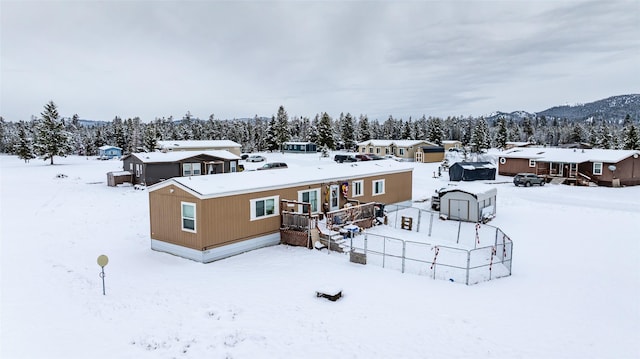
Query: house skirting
[(217, 253)]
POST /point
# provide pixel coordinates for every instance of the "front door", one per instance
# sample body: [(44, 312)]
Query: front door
[(458, 209), (211, 169), (334, 197)]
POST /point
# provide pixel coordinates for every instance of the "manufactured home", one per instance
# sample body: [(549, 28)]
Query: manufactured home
[(206, 218), (404, 150), (109, 152), (299, 147), (574, 166), (152, 167)]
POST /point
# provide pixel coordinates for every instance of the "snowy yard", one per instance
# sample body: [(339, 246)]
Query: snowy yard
[(574, 291)]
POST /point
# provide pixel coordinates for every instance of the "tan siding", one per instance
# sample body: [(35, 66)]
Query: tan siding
[(165, 217), (226, 220), (432, 157)]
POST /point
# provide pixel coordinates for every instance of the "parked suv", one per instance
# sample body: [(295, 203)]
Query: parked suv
[(273, 165), (345, 158), (528, 179), (363, 157)]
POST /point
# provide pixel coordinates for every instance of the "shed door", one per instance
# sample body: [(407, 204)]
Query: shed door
[(458, 209)]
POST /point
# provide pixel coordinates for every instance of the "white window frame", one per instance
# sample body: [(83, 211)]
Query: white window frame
[(138, 170), (183, 217), (189, 169), (276, 207), (597, 168), (357, 188), (233, 166), (317, 204), (374, 187), (503, 160), (532, 163), (401, 151)]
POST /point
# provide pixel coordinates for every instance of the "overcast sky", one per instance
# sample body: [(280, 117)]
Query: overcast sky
[(101, 59)]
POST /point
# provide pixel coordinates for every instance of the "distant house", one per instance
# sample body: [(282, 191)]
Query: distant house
[(574, 166), (472, 171), (447, 144), (206, 218), (109, 152), (403, 149), (511, 144), (425, 154), (153, 167), (299, 147), (469, 203), (200, 145)]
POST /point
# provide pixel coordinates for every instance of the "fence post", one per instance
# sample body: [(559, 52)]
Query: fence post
[(430, 224), (404, 245), (468, 265), (384, 249), (418, 225), (459, 224)]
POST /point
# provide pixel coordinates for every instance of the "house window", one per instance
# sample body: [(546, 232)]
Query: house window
[(191, 169), (356, 188), (378, 187), (188, 213), (386, 151), (401, 151), (597, 168), (310, 196), (503, 160), (233, 166), (532, 163), (264, 207), (131, 166), (138, 170), (371, 150), (377, 150)]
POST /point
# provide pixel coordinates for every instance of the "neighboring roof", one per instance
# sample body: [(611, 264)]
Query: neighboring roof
[(565, 155), (474, 165), (159, 157), (398, 143), (299, 143), (121, 173), (107, 147), (518, 144), (226, 184), (451, 141), (197, 144), (431, 149)]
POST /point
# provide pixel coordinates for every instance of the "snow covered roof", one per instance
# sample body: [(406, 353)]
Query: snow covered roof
[(197, 144), (567, 155), (226, 184), (155, 157), (473, 188), (107, 147), (450, 141), (297, 143), (398, 143), (475, 165)]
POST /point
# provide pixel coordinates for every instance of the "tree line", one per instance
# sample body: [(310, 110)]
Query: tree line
[(50, 135)]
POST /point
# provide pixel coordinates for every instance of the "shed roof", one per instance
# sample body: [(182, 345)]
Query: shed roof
[(161, 157), (226, 184), (474, 165), (197, 144), (107, 147), (472, 188), (546, 154)]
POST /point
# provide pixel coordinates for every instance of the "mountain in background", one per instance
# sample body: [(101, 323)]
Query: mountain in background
[(614, 108)]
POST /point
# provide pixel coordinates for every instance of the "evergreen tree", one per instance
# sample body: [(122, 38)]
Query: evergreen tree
[(282, 127), (271, 140), (631, 138), (406, 130), (434, 130), (527, 129), (576, 134), (24, 148), (480, 136), (325, 134), (501, 136), (51, 137), (149, 138), (347, 132), (605, 141), (364, 131)]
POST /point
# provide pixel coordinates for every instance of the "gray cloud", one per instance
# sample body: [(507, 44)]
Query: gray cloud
[(238, 59)]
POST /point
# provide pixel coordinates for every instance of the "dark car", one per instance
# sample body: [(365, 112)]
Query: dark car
[(345, 158), (363, 157), (528, 179), (273, 165), (376, 157)]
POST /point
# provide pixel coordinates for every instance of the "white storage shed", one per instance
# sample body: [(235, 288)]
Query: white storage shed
[(472, 202)]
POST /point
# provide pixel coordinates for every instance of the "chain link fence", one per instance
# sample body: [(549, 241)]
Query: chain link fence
[(461, 252)]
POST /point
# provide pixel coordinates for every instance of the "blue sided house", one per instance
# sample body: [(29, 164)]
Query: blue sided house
[(109, 152)]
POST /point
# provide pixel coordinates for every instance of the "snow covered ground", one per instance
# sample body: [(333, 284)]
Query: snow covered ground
[(574, 292)]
